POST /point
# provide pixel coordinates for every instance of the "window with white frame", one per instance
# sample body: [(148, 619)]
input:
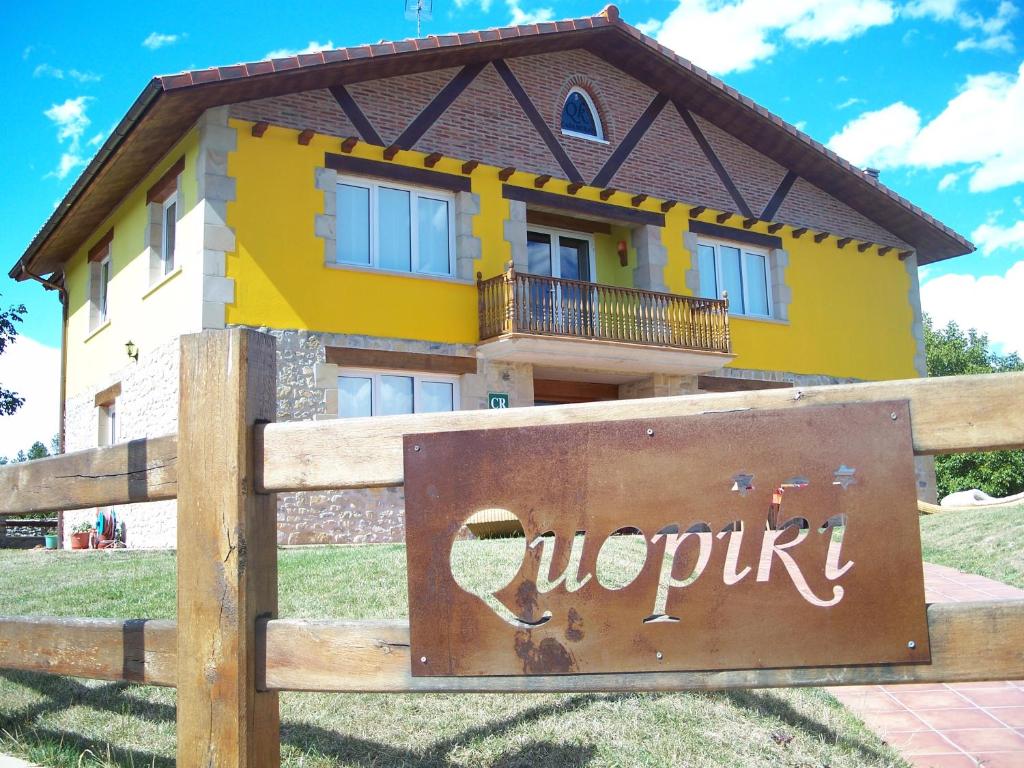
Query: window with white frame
[(168, 230), (108, 424), (742, 271), (580, 117), (396, 228), (386, 393), (99, 286)]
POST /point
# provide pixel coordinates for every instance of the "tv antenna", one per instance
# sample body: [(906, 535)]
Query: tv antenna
[(420, 10)]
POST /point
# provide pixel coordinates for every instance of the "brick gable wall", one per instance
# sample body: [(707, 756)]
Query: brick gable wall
[(485, 123)]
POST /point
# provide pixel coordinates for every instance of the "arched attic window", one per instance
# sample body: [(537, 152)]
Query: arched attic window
[(580, 117)]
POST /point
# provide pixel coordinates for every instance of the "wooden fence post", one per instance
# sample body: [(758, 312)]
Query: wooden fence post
[(227, 552)]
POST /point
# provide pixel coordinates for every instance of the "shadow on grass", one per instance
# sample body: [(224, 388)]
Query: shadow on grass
[(62, 693), (766, 705)]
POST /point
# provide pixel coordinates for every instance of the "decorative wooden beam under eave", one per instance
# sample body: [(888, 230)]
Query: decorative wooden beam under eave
[(748, 223), (604, 194), (540, 181), (391, 151), (574, 187), (506, 173), (697, 211), (723, 217), (821, 237), (306, 136), (864, 246), (904, 255), (884, 250), (798, 233), (258, 129), (347, 145), (432, 159), (844, 241), (667, 206), (773, 228), (637, 199), (469, 166)]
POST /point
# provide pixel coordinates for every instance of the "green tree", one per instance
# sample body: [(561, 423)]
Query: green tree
[(10, 401), (37, 450), (951, 351)]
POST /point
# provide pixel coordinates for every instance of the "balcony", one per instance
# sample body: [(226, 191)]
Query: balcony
[(552, 321)]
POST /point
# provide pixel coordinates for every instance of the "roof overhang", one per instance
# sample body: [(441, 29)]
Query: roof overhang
[(170, 105)]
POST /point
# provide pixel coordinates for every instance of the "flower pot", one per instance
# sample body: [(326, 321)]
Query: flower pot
[(51, 540), (80, 540)]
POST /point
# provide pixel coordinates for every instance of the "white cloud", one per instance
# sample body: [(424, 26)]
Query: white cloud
[(991, 304), (948, 181), (159, 40), (311, 47), (990, 237), (33, 371), (649, 27), (485, 5), (988, 33), (753, 28), (536, 16), (72, 123), (979, 128), (850, 102), (47, 70)]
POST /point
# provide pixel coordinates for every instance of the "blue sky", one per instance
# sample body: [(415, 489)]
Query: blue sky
[(930, 91)]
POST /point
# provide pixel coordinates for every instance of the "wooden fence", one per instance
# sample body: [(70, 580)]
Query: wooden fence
[(229, 654)]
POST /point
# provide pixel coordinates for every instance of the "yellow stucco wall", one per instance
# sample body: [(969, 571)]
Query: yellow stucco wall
[(850, 314), (136, 310)]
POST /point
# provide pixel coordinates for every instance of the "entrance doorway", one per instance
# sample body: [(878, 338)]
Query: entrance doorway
[(557, 392)]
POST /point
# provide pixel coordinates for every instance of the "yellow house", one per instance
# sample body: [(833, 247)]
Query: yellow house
[(557, 212)]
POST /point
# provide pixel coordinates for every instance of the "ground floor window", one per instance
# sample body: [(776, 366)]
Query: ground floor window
[(386, 393)]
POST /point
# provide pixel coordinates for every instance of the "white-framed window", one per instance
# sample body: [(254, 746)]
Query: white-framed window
[(376, 392), (168, 231), (109, 433), (741, 270), (395, 227), (580, 117), (103, 289), (560, 253)]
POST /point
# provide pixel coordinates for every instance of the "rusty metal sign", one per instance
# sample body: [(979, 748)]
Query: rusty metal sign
[(737, 540)]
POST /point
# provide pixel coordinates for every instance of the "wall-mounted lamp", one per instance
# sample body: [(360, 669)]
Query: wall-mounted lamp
[(132, 350), (623, 253)]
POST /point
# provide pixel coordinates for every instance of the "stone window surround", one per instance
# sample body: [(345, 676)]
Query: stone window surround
[(468, 248), (778, 262)]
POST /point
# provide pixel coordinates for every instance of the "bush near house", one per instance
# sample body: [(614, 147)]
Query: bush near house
[(952, 351)]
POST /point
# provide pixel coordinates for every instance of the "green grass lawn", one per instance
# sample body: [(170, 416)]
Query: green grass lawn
[(70, 722), (989, 542)]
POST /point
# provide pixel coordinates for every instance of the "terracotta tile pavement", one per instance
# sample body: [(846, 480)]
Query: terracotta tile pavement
[(963, 725)]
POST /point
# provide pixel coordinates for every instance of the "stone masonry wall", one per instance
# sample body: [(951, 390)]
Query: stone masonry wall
[(146, 407)]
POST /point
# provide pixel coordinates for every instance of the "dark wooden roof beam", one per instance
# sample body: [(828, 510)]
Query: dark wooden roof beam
[(432, 159), (748, 223), (798, 233), (821, 237), (723, 217), (258, 129), (391, 151), (773, 228), (667, 206), (697, 211), (469, 166), (604, 194), (904, 255), (574, 187), (347, 145), (540, 181), (305, 137), (844, 241), (884, 250), (637, 199), (864, 246), (506, 173)]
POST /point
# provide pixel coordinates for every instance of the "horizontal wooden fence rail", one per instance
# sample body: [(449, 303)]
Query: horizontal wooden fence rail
[(969, 642), (949, 414), (134, 650), (137, 470)]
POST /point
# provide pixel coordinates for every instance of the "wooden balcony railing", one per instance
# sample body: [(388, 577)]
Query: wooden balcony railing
[(515, 302)]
